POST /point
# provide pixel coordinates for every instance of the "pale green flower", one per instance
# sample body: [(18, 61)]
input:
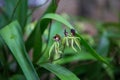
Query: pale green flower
[(55, 48), (71, 40)]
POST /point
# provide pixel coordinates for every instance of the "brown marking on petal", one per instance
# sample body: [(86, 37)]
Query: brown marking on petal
[(56, 37)]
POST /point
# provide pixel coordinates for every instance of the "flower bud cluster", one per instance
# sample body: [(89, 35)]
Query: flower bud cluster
[(69, 39)]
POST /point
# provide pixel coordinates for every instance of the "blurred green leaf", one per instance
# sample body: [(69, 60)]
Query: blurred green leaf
[(110, 72), (20, 12), (103, 47), (35, 39), (3, 19), (51, 9), (108, 24), (93, 73), (37, 43), (2, 77), (113, 35), (93, 52), (60, 72), (6, 11), (57, 18), (17, 77), (12, 36), (53, 30), (82, 56), (9, 7)]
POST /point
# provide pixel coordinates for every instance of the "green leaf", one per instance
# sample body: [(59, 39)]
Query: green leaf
[(9, 7), (35, 39), (114, 35), (17, 77), (6, 11), (51, 9), (103, 47), (12, 36), (37, 43), (57, 18), (20, 12), (108, 24), (82, 56), (2, 77), (60, 72), (92, 51)]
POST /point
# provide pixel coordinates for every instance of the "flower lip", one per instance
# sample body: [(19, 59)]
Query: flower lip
[(56, 37), (73, 32)]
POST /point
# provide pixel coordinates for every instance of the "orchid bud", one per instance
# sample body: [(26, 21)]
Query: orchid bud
[(65, 33), (73, 32)]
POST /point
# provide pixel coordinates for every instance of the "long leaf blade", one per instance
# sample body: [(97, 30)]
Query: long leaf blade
[(92, 51), (60, 72), (12, 36), (57, 18), (21, 12), (35, 39), (78, 57)]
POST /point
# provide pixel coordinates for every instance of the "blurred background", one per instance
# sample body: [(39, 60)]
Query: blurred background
[(100, 10), (98, 22), (104, 10)]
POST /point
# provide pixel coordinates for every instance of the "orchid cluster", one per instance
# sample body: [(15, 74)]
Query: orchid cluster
[(69, 40)]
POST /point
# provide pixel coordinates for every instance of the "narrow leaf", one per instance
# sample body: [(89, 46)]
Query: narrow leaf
[(57, 18), (35, 39), (82, 56), (60, 72), (12, 36), (92, 51), (21, 12), (51, 9)]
